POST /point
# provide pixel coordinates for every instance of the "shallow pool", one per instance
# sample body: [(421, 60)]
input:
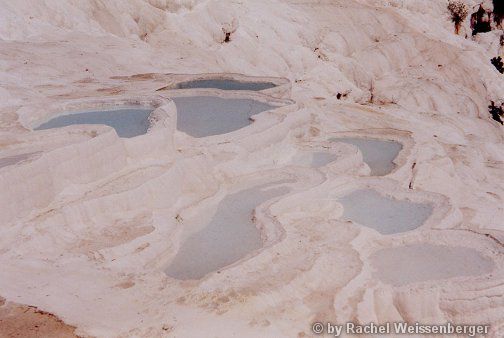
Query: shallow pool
[(201, 116), (377, 154), (225, 84), (423, 262), (15, 159), (386, 215), (313, 159), (127, 122), (228, 237)]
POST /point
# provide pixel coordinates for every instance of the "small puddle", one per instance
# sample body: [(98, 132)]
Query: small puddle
[(228, 237), (386, 215), (377, 154), (313, 159), (15, 159), (225, 84), (127, 122), (422, 262), (201, 116)]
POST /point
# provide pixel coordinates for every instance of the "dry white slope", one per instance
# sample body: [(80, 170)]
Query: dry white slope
[(88, 226)]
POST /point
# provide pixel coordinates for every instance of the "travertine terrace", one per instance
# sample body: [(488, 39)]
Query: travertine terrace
[(91, 222)]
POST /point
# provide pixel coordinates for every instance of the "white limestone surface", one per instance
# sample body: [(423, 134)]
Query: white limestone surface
[(89, 225)]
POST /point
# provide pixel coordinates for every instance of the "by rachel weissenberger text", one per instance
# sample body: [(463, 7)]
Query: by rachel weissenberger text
[(400, 328)]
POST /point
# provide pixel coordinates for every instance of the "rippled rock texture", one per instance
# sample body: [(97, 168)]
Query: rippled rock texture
[(297, 161)]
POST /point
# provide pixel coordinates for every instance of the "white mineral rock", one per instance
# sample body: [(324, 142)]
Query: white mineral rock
[(90, 222)]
